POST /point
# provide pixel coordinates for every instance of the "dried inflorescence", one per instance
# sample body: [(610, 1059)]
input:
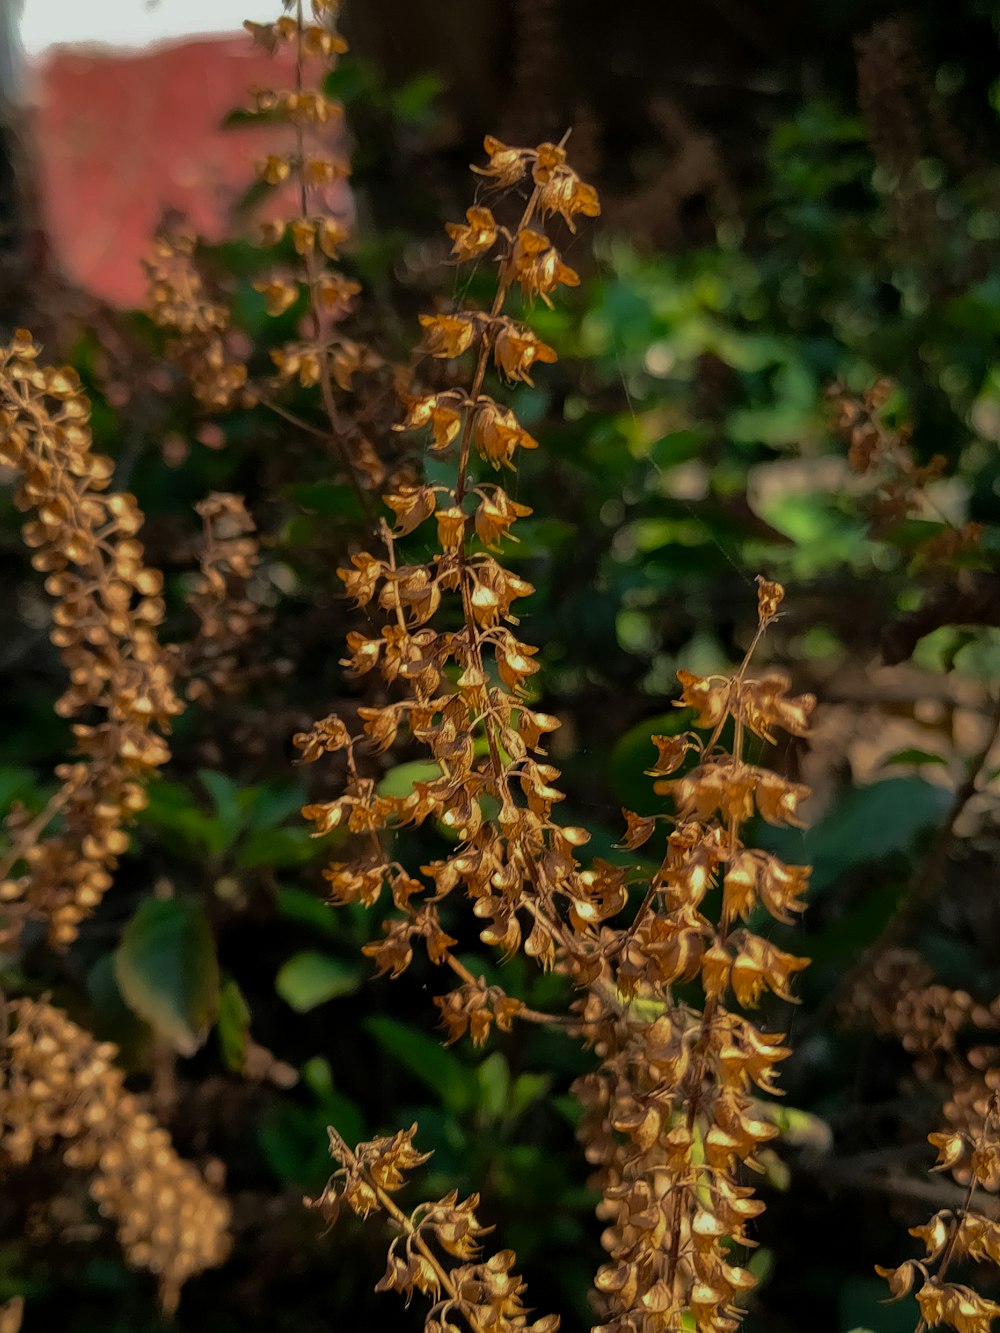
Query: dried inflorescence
[(199, 327), (672, 1108), (957, 1235), (899, 998), (438, 1249), (60, 1089), (202, 341), (108, 607), (954, 1040), (452, 685), (900, 482), (322, 355), (11, 1315), (229, 555)]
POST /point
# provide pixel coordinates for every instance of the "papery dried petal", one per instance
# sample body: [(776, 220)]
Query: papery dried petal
[(447, 335), (507, 165), (475, 237)]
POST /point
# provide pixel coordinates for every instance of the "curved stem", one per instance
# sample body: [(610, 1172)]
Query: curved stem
[(30, 834), (344, 1154)]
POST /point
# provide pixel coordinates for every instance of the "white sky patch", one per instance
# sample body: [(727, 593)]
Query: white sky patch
[(132, 23)]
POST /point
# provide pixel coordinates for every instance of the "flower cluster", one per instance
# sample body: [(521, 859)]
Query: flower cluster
[(58, 1087), (674, 1107), (673, 1112), (899, 998), (954, 1040), (198, 326), (228, 559), (459, 692), (885, 455), (956, 1235), (322, 355), (202, 340), (437, 1251), (108, 607)]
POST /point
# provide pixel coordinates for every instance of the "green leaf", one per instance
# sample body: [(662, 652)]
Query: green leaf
[(454, 1085), (276, 848), (241, 116), (864, 1303), (328, 498), (167, 970), (112, 1019), (399, 780), (798, 1127), (318, 1077), (525, 1091), (677, 447), (300, 905), (414, 102), (172, 809), (351, 79), (230, 809), (493, 1077), (233, 1027), (273, 804), (980, 657), (16, 784), (865, 824), (295, 1146), (310, 979), (338, 1109), (856, 929), (914, 758)]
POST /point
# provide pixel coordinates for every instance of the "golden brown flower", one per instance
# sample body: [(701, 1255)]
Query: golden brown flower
[(447, 335), (498, 434), (516, 349), (537, 266), (475, 236), (437, 412), (507, 166)]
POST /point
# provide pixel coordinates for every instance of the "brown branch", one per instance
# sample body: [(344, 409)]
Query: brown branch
[(344, 1154), (30, 834), (850, 1174), (926, 884)]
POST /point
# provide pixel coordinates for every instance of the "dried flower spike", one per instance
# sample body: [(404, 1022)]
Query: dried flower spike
[(58, 1087), (108, 607)]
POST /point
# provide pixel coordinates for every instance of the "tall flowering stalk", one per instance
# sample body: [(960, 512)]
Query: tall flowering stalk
[(305, 167), (454, 685), (672, 1113), (108, 606), (58, 1087), (322, 356)]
